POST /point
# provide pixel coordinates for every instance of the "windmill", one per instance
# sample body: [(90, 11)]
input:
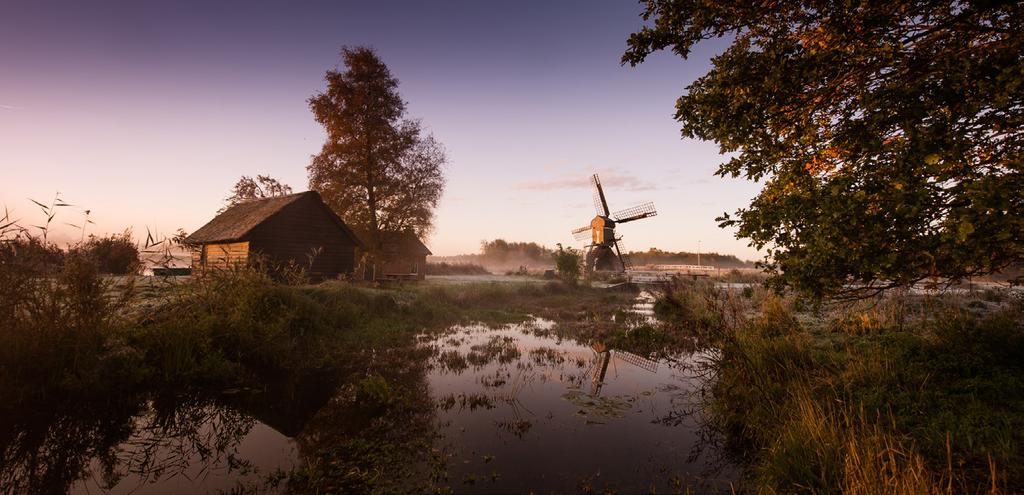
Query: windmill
[(605, 251)]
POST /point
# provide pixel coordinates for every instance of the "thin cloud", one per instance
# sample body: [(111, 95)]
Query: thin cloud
[(8, 107)]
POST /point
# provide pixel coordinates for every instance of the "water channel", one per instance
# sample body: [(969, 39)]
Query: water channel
[(517, 408)]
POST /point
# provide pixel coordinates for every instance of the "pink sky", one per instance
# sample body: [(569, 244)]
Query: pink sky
[(147, 115)]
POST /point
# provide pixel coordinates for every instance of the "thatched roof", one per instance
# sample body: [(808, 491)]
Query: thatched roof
[(235, 223), (404, 242)]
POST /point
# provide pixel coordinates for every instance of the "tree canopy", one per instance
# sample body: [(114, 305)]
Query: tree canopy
[(247, 188), (376, 169), (887, 135)]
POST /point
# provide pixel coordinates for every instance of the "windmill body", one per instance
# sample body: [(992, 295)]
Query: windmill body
[(605, 251)]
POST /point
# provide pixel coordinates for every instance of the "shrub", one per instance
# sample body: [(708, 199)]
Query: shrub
[(374, 392), (54, 326), (115, 254), (567, 263), (699, 305)]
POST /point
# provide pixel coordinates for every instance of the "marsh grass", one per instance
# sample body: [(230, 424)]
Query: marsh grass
[(704, 309), (911, 394), (56, 315), (68, 328), (445, 268)]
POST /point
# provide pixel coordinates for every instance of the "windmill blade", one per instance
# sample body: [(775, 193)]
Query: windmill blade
[(582, 233), (627, 263), (638, 361), (635, 213), (600, 204)]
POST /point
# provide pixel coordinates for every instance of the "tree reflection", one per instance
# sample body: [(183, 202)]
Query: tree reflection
[(180, 437), (47, 448), (44, 448)]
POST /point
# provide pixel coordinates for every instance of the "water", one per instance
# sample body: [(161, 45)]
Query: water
[(520, 409), (190, 443), (213, 449), (516, 408)]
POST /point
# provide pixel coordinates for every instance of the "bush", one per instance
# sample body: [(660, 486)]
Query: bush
[(567, 263), (115, 254), (26, 252), (698, 305), (374, 392), (55, 326)]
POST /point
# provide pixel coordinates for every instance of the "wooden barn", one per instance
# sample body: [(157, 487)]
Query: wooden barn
[(277, 231), (400, 256)]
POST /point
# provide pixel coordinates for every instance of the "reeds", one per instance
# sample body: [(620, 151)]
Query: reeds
[(445, 268), (902, 395), (56, 311)]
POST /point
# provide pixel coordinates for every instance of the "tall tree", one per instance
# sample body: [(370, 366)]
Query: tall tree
[(376, 169), (888, 135), (247, 188)]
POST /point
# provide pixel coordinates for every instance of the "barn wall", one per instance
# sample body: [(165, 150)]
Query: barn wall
[(294, 232), (403, 266), (220, 256)]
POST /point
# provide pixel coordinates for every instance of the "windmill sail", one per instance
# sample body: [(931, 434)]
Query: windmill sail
[(582, 233), (635, 213), (638, 361), (600, 204), (627, 263)]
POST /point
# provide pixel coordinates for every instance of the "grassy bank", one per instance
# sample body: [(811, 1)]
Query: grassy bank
[(83, 351), (74, 330), (901, 395)]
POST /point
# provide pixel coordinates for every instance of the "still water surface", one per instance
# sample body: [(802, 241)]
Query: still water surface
[(517, 409), (523, 410)]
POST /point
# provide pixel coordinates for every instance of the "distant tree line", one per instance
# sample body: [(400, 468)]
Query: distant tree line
[(655, 256), (502, 254), (500, 250)]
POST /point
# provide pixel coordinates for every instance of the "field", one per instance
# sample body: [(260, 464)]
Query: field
[(237, 382), (480, 383)]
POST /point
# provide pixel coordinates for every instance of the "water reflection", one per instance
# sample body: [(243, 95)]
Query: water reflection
[(522, 410), (190, 446), (175, 444), (45, 448), (476, 408)]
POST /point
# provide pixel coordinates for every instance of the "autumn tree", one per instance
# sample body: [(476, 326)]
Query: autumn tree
[(376, 169), (247, 188), (887, 135)]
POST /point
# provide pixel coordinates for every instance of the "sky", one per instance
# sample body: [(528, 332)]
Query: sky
[(146, 113)]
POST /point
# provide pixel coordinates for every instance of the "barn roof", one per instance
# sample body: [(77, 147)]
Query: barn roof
[(405, 242), (235, 223)]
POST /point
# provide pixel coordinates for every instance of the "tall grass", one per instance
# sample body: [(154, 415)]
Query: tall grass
[(895, 396), (56, 316), (445, 268), (67, 328), (701, 306)]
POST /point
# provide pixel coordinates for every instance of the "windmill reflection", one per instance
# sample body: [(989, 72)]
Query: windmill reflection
[(606, 356)]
